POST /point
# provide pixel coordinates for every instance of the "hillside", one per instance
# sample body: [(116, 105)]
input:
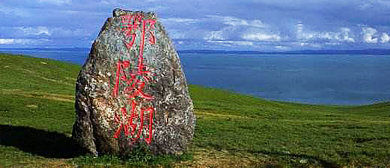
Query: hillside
[(37, 114)]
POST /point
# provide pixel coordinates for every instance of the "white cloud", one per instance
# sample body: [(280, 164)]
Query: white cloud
[(339, 36), (108, 2), (104, 2), (373, 3), (69, 32), (282, 48), (233, 21), (345, 34), (258, 36), (14, 11), (7, 41), (158, 8), (214, 35), (225, 33), (369, 35), (56, 2), (230, 43), (180, 28), (41, 30), (50, 31), (383, 3), (178, 20), (385, 38), (364, 5), (176, 34), (239, 31), (316, 45), (22, 41)]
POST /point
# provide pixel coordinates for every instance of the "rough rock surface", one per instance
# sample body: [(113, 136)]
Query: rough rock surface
[(132, 90)]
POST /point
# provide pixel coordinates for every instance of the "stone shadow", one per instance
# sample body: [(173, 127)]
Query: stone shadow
[(39, 142)]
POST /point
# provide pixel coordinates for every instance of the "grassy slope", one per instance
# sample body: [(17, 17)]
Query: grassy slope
[(37, 114)]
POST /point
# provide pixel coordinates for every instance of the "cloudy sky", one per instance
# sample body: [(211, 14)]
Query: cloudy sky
[(260, 25)]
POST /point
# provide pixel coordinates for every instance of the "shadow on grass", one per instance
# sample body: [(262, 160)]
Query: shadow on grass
[(39, 142)]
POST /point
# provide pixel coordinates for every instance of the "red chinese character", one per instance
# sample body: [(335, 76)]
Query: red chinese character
[(121, 75), (123, 123), (150, 110), (135, 82), (136, 86), (152, 39), (129, 25)]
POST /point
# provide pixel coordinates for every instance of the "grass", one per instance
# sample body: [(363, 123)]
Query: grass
[(233, 130)]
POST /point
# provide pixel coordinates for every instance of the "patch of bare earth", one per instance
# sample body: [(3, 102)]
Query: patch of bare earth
[(204, 114), (50, 96), (214, 158), (35, 74), (50, 163)]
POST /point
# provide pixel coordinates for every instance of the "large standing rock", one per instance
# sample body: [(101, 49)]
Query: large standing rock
[(132, 90)]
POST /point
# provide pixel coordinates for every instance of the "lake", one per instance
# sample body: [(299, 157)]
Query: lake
[(315, 79)]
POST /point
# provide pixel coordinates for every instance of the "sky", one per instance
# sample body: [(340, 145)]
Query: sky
[(250, 25)]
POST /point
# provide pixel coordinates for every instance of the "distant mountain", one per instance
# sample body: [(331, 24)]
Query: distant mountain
[(352, 52)]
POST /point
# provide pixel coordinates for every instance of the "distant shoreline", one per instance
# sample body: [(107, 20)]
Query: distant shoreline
[(301, 78), (312, 52)]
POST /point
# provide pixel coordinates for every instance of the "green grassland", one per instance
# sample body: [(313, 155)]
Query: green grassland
[(233, 130)]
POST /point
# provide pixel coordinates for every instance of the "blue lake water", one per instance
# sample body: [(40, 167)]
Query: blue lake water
[(316, 79)]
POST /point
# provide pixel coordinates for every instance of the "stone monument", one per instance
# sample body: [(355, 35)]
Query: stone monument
[(132, 91)]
